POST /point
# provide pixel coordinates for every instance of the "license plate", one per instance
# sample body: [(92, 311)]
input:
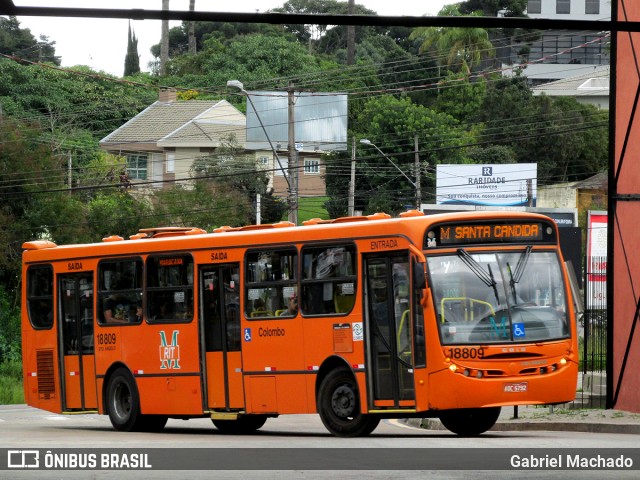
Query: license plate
[(515, 387)]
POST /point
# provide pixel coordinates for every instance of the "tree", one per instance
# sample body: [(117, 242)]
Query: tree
[(391, 124), (459, 96), (248, 58), (460, 49), (490, 8), (132, 59), (566, 139), (503, 39), (224, 189), (117, 213), (66, 100), (34, 203), (20, 43)]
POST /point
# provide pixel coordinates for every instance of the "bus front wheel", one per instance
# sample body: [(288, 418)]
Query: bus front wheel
[(339, 406), (470, 422)]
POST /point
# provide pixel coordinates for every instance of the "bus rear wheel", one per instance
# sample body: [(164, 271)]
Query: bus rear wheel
[(123, 402), (242, 425), (470, 422), (339, 406)]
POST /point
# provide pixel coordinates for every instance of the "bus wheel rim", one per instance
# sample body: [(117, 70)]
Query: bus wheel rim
[(343, 401), (122, 401)]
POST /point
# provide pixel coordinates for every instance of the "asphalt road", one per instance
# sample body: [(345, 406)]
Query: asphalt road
[(298, 446)]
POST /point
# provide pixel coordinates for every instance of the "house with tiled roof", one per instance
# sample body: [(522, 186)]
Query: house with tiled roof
[(161, 143)]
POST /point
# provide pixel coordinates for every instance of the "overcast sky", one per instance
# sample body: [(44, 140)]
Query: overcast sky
[(102, 43)]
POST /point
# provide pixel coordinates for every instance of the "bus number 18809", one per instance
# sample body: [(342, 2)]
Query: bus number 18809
[(465, 353)]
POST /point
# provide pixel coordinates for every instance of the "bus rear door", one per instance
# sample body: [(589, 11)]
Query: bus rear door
[(75, 292), (388, 330), (220, 326)]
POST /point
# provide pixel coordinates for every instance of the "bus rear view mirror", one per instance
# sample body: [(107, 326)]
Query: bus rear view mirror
[(419, 277)]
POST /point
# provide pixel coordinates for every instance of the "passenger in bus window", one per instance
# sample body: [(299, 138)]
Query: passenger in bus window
[(292, 309), (260, 309), (165, 311), (114, 309), (117, 307), (136, 312)]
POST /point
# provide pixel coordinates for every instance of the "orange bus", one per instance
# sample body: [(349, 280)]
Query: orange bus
[(356, 319)]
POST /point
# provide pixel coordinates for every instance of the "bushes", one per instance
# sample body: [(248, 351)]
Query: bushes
[(10, 352), (10, 346), (11, 390)]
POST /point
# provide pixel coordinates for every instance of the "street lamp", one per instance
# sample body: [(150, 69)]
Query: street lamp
[(415, 184), (238, 84), (292, 198)]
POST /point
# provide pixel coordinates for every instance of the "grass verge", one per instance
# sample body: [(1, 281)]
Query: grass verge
[(11, 391)]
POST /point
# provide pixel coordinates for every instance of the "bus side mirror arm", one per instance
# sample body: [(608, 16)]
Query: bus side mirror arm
[(420, 277)]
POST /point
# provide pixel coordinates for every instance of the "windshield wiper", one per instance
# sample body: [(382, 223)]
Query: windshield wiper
[(487, 278), (515, 277)]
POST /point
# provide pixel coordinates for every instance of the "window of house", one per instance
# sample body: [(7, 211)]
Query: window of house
[(534, 6), (137, 166), (563, 6), (284, 163), (170, 288), (271, 283), (311, 167), (328, 279), (40, 296), (120, 291), (171, 162), (592, 7), (263, 160)]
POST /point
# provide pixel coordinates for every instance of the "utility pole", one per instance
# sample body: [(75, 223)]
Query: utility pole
[(258, 209), (352, 183), (192, 30), (164, 41), (351, 35), (293, 158), (417, 167), (70, 170)]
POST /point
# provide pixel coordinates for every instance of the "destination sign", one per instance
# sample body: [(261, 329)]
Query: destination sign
[(490, 233)]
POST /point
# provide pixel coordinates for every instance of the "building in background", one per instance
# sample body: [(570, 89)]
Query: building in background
[(559, 54)]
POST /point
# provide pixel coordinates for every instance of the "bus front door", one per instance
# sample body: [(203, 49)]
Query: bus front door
[(220, 326), (77, 369), (388, 330)]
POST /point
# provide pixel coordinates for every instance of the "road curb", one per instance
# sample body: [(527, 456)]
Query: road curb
[(520, 426)]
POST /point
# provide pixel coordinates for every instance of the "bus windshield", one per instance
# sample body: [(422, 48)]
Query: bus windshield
[(499, 297)]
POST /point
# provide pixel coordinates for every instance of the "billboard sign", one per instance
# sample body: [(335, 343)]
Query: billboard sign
[(320, 121), (596, 259), (497, 185)]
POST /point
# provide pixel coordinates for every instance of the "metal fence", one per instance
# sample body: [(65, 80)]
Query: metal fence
[(592, 381)]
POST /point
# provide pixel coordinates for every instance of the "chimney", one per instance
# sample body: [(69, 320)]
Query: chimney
[(168, 95)]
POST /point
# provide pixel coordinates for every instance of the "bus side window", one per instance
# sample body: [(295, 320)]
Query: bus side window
[(328, 279), (271, 283), (40, 296), (120, 291), (169, 291)]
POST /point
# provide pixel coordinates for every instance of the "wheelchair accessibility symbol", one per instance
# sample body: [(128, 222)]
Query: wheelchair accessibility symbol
[(518, 330), (247, 334)]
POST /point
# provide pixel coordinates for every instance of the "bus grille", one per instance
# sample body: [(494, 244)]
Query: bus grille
[(46, 381)]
